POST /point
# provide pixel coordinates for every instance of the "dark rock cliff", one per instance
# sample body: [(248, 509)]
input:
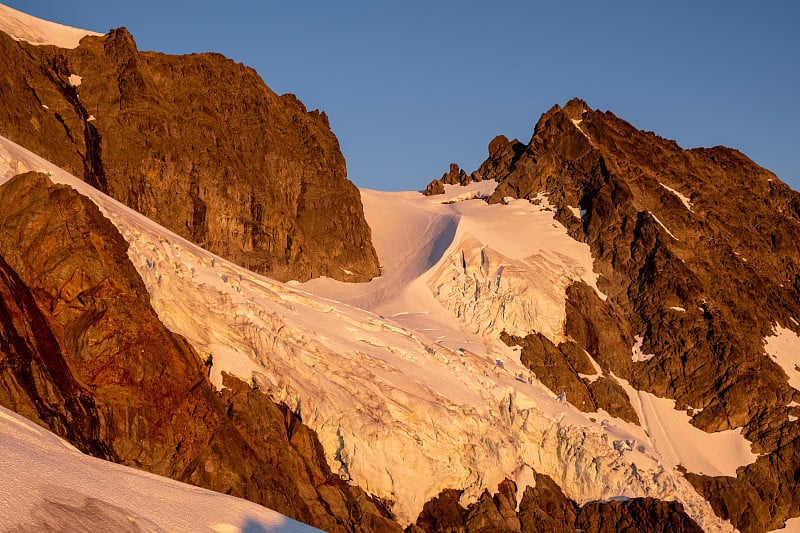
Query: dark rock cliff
[(701, 279), (83, 353), (197, 143), (544, 507)]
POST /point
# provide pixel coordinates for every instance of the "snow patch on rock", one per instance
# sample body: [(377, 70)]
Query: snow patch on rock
[(636, 351), (677, 442), (682, 197), (663, 226), (784, 349)]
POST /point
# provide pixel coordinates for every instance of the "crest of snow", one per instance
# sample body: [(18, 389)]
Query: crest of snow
[(74, 80), (397, 411), (598, 371), (678, 309), (637, 355), (784, 349), (795, 322), (47, 481), (663, 226), (682, 197), (23, 27), (678, 442), (792, 525)]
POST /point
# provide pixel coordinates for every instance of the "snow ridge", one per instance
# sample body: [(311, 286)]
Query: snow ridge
[(23, 27)]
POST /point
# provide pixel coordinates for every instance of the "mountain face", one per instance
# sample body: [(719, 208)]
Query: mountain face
[(595, 330), (84, 354), (198, 143), (698, 253)]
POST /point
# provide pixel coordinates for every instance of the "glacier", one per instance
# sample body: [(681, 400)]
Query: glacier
[(403, 378)]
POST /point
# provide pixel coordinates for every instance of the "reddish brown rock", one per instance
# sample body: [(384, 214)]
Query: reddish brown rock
[(197, 143), (545, 508), (560, 367), (455, 176), (83, 353), (701, 274)]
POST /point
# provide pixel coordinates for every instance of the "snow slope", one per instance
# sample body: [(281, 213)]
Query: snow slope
[(409, 404), (50, 486), (23, 27), (471, 258)]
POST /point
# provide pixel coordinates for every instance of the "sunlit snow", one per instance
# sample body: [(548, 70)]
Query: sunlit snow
[(23, 27), (678, 442), (682, 197), (47, 481), (663, 226), (636, 351), (784, 348), (410, 405)]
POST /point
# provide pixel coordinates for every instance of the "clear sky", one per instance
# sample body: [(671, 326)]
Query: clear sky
[(412, 86)]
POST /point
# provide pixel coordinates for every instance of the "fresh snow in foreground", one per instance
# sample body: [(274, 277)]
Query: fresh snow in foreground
[(23, 27), (403, 408), (50, 486)]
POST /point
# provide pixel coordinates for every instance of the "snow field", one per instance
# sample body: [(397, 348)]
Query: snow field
[(404, 406), (47, 481), (23, 27)]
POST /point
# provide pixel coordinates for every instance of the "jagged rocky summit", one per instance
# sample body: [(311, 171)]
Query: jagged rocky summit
[(698, 253), (197, 143)]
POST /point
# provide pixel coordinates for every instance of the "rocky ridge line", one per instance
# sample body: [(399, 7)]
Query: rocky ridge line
[(689, 244), (197, 143)]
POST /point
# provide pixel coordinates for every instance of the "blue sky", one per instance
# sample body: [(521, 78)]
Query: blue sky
[(410, 87)]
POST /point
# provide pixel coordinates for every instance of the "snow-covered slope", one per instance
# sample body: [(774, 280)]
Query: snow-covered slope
[(50, 486), (415, 399), (23, 27)]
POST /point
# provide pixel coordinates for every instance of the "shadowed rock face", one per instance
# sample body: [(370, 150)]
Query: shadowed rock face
[(545, 508), (83, 353), (699, 255), (197, 143)]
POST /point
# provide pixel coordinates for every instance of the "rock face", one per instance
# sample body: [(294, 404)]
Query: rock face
[(698, 253), (197, 143), (83, 353), (544, 507)]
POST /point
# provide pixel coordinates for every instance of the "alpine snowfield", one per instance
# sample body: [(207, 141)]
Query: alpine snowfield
[(402, 378), (50, 486)]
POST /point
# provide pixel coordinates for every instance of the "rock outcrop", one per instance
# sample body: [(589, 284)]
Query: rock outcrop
[(197, 143), (544, 507), (698, 253), (83, 354)]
